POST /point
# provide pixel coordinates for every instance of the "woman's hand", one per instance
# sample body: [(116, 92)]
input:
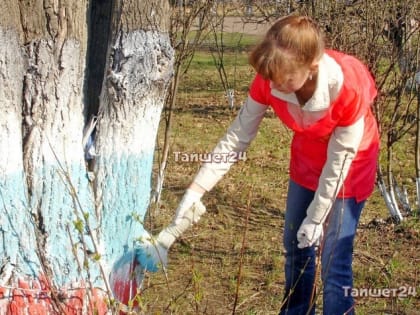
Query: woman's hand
[(190, 197), (309, 233)]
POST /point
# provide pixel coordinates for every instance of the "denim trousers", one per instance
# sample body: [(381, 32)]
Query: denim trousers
[(336, 256)]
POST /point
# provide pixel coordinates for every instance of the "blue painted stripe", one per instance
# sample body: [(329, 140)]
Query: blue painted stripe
[(126, 192), (16, 227)]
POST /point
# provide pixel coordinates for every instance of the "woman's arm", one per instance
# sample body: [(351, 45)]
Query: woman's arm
[(235, 142), (342, 148)]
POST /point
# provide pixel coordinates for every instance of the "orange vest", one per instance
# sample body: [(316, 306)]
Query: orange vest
[(309, 145)]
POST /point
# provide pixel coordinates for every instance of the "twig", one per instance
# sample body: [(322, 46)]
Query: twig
[(247, 299), (286, 298), (78, 206), (242, 253)]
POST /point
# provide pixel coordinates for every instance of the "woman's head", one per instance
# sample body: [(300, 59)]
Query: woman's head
[(291, 44)]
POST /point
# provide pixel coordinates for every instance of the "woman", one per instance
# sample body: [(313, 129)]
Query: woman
[(325, 98)]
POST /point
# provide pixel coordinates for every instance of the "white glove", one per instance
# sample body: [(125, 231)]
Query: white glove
[(309, 233), (191, 215), (190, 197), (151, 254)]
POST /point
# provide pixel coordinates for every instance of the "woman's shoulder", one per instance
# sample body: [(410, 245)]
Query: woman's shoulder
[(345, 60), (357, 76), (260, 89)]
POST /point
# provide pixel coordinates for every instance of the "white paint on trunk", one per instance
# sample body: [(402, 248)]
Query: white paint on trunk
[(16, 229), (131, 104), (60, 194), (11, 72)]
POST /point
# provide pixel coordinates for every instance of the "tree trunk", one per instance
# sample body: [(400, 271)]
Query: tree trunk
[(63, 224)]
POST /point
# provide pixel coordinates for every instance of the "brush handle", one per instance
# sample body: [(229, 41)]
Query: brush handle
[(169, 234)]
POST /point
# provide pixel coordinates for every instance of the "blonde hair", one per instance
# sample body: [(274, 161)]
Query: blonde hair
[(291, 42)]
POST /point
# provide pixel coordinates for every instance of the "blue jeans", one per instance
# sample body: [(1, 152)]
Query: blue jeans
[(336, 256)]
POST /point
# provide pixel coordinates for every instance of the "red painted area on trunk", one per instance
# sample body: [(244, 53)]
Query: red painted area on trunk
[(35, 298), (123, 282)]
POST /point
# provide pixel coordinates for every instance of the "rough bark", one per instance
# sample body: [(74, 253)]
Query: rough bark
[(139, 69), (15, 221), (61, 231)]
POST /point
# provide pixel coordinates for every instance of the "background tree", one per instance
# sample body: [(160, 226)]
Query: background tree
[(67, 65)]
